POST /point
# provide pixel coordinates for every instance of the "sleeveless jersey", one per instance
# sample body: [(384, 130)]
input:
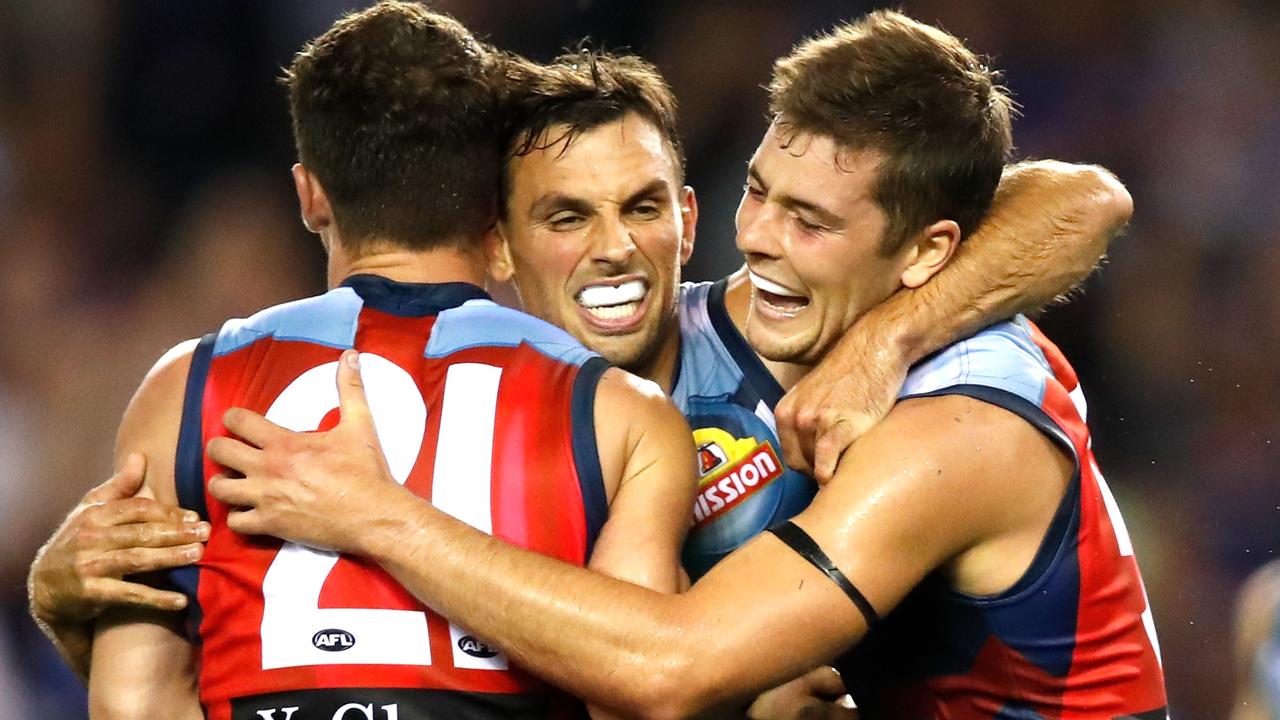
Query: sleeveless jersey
[(484, 411), (1073, 638), (728, 396)]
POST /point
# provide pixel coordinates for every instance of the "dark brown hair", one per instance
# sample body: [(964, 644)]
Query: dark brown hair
[(915, 94), (584, 90), (395, 112)]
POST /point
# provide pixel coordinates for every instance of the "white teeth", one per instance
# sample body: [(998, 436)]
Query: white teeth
[(614, 312), (598, 296), (770, 286)]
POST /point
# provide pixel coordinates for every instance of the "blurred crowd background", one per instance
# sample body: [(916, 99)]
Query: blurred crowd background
[(145, 197)]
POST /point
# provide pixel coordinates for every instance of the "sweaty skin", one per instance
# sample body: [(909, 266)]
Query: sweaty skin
[(761, 616), (143, 664), (1048, 227)]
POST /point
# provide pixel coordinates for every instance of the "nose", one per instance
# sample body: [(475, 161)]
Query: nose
[(758, 232), (613, 243)]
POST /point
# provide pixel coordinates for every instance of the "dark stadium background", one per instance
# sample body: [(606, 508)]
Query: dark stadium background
[(145, 196)]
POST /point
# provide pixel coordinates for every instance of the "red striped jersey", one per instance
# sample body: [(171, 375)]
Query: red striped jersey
[(1073, 638), (482, 410)]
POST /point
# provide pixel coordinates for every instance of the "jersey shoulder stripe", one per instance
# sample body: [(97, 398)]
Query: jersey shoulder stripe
[(485, 323), (330, 320)]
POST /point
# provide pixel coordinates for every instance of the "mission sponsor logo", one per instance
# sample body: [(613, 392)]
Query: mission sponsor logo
[(731, 470)]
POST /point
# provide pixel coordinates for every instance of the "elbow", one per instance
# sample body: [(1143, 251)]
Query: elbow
[(1105, 206), (682, 688)]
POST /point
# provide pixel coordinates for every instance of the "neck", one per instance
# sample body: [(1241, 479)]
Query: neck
[(737, 301), (451, 263), (660, 365)]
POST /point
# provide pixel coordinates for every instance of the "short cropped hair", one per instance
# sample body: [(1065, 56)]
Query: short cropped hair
[(394, 110), (918, 96), (582, 91)]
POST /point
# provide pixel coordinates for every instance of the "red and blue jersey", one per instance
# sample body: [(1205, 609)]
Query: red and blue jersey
[(1073, 638), (484, 411)]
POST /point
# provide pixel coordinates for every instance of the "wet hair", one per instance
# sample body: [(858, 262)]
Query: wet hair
[(395, 112), (581, 91), (916, 95)]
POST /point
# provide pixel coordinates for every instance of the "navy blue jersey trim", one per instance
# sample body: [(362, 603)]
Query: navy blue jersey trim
[(1015, 404), (1065, 518), (753, 369), (412, 299), (586, 455), (188, 471)]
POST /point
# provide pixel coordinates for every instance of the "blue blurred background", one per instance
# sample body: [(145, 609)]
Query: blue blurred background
[(145, 197)]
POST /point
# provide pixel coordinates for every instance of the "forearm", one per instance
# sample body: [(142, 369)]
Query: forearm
[(74, 642), (626, 641), (1047, 229)]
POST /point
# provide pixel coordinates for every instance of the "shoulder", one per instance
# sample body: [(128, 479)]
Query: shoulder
[(966, 468), (478, 323), (313, 319), (1005, 356), (152, 419)]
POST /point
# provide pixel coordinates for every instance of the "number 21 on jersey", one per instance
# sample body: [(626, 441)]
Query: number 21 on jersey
[(295, 630)]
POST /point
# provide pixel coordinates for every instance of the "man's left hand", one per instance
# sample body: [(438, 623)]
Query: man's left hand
[(852, 389), (320, 489)]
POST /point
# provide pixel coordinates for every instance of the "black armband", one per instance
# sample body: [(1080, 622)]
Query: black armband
[(796, 539)]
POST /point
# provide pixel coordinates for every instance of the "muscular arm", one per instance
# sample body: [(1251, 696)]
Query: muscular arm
[(762, 616), (111, 534), (1049, 225), (143, 665), (651, 452), (1255, 622)]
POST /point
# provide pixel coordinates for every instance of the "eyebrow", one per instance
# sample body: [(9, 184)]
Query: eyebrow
[(791, 202), (560, 201), (655, 187)]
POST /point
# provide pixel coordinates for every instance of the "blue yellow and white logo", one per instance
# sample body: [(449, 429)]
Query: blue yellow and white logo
[(731, 470)]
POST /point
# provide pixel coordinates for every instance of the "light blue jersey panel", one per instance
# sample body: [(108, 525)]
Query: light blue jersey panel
[(1004, 356), (330, 319), (728, 396), (478, 323)]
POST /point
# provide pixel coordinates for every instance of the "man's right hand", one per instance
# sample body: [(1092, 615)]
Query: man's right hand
[(112, 533)]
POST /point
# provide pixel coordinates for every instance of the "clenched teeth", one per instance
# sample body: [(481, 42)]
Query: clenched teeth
[(603, 296)]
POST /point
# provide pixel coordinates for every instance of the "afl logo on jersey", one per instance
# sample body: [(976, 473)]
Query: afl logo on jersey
[(333, 640), (473, 647), (731, 470)]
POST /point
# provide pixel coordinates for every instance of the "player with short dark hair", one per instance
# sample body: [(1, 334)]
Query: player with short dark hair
[(497, 417), (966, 559)]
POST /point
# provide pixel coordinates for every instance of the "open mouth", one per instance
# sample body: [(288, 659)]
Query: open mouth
[(613, 306), (778, 298)]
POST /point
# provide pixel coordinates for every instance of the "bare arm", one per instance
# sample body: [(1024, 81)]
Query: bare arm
[(1049, 225), (649, 514), (1255, 621), (762, 616), (112, 533), (143, 665)]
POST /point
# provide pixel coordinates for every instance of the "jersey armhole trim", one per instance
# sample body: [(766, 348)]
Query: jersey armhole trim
[(1065, 522), (798, 540), (586, 453), (188, 471)]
